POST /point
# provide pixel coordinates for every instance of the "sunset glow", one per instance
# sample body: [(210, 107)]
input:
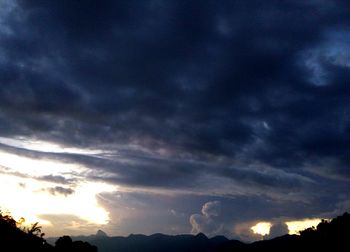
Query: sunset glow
[(30, 195), (29, 199), (299, 225), (262, 228)]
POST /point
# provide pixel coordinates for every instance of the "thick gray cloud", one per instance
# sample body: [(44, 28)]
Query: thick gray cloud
[(235, 99)]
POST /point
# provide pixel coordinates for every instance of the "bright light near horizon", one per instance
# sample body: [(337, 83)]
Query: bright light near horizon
[(299, 225), (262, 228), (25, 193), (28, 198)]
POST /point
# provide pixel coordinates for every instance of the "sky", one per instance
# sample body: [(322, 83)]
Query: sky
[(222, 117)]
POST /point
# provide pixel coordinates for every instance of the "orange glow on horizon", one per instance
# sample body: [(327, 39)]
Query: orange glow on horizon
[(299, 225)]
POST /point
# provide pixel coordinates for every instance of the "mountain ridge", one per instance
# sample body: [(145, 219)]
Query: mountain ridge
[(328, 235)]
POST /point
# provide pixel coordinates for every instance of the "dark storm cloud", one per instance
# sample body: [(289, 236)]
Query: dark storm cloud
[(140, 72), (253, 92), (140, 171)]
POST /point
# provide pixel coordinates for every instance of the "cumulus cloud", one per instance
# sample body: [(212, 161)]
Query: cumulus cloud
[(206, 222), (277, 228), (211, 209)]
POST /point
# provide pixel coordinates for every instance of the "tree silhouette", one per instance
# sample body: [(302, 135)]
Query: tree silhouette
[(63, 243), (66, 244), (14, 237)]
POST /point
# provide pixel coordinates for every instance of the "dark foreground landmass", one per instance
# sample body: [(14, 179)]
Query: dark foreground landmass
[(13, 238), (331, 235)]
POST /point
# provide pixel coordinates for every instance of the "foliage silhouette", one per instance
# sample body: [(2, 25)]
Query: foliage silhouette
[(13, 237), (66, 244)]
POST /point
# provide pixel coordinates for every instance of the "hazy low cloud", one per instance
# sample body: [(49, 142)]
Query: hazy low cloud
[(69, 223)]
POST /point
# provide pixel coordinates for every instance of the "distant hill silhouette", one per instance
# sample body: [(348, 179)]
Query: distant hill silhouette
[(15, 238), (331, 235), (154, 243), (101, 233)]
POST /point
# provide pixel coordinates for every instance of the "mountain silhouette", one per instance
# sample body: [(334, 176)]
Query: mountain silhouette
[(100, 233), (331, 235)]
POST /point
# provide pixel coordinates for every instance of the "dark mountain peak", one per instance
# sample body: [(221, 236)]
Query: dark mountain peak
[(158, 235), (201, 236), (100, 233), (138, 238)]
